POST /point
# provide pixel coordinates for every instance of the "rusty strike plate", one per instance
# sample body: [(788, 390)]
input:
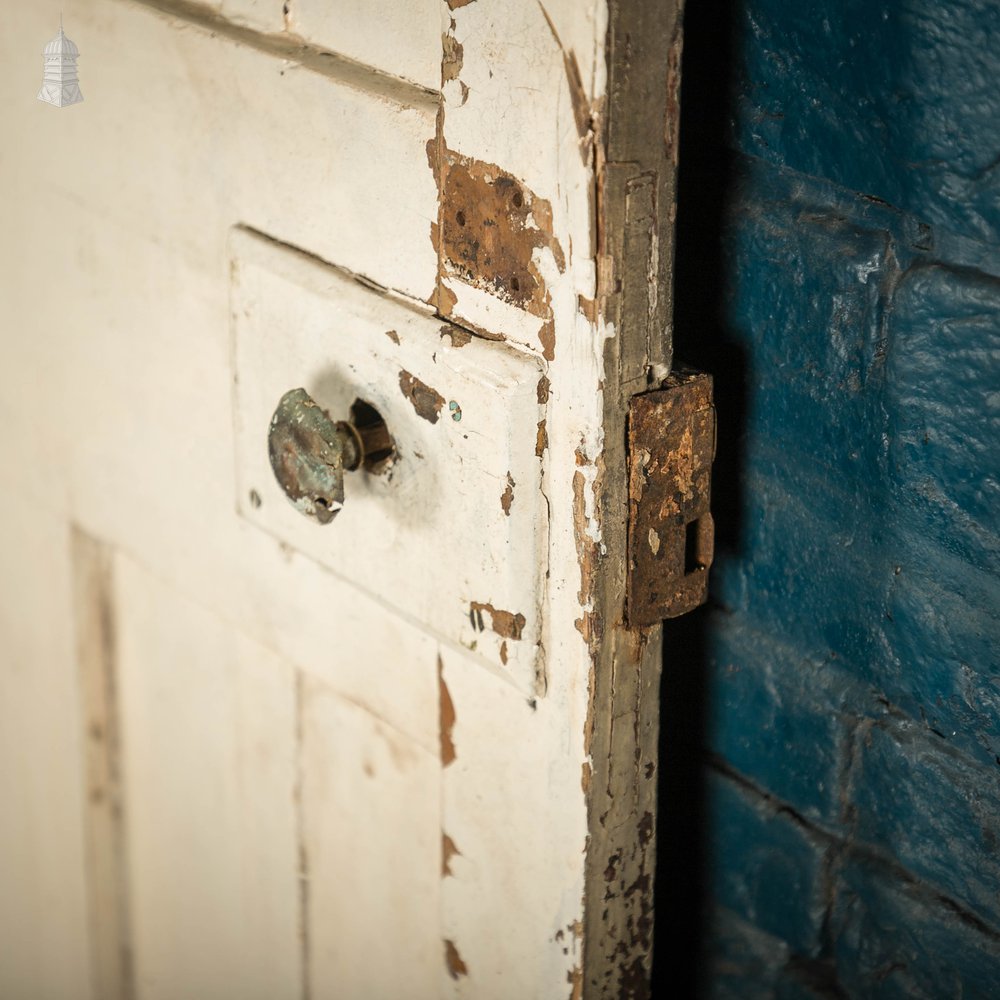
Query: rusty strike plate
[(671, 537)]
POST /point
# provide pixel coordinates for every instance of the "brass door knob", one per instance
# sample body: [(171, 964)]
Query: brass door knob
[(310, 452)]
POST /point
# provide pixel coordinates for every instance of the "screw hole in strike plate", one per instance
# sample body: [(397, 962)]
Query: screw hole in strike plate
[(692, 562), (380, 452)]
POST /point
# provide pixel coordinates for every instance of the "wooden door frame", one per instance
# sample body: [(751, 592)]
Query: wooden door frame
[(635, 176)]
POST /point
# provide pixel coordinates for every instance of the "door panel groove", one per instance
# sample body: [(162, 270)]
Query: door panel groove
[(104, 821), (339, 68)]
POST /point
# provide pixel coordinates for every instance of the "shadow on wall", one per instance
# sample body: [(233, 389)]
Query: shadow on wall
[(706, 173)]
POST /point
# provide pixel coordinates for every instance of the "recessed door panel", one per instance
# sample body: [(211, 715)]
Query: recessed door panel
[(450, 531)]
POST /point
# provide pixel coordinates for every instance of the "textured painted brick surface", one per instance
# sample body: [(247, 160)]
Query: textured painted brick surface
[(854, 657), (941, 649), (895, 99), (767, 867), (784, 728), (871, 481), (894, 941), (943, 396), (748, 964), (915, 797)]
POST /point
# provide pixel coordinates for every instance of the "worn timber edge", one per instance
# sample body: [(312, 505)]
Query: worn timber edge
[(635, 177)]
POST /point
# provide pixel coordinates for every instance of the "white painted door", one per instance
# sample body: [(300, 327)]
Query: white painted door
[(243, 754)]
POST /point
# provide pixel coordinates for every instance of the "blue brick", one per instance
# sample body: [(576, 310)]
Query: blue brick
[(892, 99), (765, 867), (813, 569), (806, 296), (872, 475), (743, 963), (934, 809), (894, 942), (944, 398), (781, 718), (941, 661)]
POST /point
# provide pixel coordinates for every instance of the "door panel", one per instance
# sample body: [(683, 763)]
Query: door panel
[(490, 864), (210, 785), (402, 40), (370, 854), (465, 480), (43, 944), (399, 39)]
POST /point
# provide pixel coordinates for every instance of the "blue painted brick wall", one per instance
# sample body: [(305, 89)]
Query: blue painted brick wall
[(853, 650)]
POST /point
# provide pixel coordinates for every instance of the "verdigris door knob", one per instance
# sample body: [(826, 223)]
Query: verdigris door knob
[(310, 452)]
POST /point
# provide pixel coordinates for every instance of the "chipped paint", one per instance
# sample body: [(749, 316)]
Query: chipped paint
[(586, 530), (507, 498), (457, 337), (443, 299), (578, 334), (503, 652), (547, 338), (587, 307), (456, 967), (582, 112), (541, 439), (634, 192), (506, 624), (538, 145), (455, 410), (489, 228), (446, 715), (451, 64), (448, 851), (392, 335), (426, 401), (575, 978)]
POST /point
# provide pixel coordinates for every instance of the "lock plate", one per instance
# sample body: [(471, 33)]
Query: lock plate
[(671, 440)]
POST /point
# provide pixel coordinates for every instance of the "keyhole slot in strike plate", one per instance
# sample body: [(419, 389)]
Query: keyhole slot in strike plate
[(693, 560)]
